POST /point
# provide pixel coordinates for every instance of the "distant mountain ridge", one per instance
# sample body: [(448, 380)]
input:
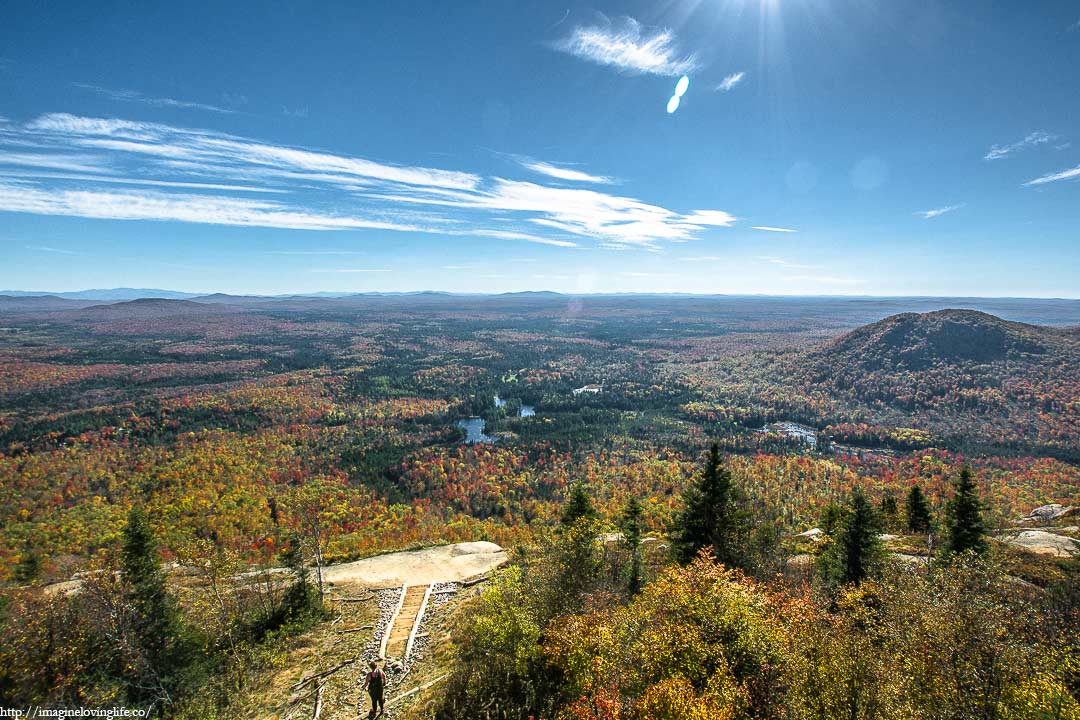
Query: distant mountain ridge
[(150, 308), (839, 312), (107, 294)]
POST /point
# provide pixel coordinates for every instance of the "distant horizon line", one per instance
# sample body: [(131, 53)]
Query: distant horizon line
[(331, 294)]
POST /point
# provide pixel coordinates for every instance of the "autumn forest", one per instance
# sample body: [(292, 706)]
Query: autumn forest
[(231, 431)]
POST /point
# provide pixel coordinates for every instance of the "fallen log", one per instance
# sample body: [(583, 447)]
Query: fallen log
[(354, 599), (296, 697), (470, 583), (417, 689), (323, 674), (355, 629), (318, 704)]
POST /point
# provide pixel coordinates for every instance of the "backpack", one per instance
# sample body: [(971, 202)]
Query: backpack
[(376, 680)]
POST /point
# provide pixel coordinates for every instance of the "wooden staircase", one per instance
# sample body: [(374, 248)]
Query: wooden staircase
[(403, 627)]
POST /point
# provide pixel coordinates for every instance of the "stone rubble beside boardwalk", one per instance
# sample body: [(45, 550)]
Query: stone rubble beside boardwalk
[(441, 595)]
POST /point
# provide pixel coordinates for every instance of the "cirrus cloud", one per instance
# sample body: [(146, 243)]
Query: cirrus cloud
[(625, 45), (179, 174)]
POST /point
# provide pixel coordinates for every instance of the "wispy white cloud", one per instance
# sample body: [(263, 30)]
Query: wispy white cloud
[(718, 218), (585, 213), (731, 81), (141, 181), (998, 152), (768, 228), (71, 163), (625, 45), (352, 270), (219, 152), (1054, 177), (786, 263), (316, 190), (60, 251), (563, 173), (928, 214), (513, 235), (132, 96), (134, 205), (315, 252)]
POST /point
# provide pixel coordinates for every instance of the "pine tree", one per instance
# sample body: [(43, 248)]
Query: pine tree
[(830, 518), (156, 621), (917, 511), (964, 527), (889, 510), (301, 597), (630, 523), (713, 516), (578, 505), (575, 566), (853, 555)]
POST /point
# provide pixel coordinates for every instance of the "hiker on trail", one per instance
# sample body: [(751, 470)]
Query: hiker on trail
[(375, 683)]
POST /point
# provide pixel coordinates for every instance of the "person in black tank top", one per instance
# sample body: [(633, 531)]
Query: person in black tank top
[(375, 683)]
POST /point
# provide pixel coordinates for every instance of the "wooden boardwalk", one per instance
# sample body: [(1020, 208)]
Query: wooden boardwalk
[(397, 643)]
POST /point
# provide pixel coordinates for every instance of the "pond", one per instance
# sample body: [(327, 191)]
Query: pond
[(474, 430), (525, 411)]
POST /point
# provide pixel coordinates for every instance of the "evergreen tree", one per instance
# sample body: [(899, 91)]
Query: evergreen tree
[(917, 511), (575, 566), (964, 527), (830, 518), (713, 516), (301, 597), (852, 556), (156, 621), (889, 510), (630, 523), (578, 505)]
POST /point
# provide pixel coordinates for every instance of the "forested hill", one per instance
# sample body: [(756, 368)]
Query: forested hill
[(956, 369), (914, 341)]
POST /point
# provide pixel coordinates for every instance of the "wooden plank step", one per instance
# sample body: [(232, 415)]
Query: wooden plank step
[(405, 620)]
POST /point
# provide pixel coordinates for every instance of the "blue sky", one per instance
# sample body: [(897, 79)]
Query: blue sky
[(852, 147)]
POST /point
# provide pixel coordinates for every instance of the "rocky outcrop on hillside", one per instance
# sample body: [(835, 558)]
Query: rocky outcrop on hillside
[(1046, 514)]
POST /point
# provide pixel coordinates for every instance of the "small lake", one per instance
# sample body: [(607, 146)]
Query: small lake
[(474, 430), (525, 411)]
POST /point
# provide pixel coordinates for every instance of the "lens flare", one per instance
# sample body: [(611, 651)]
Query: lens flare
[(680, 87), (673, 104)]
